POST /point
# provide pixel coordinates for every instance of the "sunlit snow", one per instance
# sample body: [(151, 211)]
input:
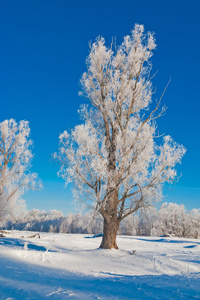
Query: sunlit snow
[(62, 266)]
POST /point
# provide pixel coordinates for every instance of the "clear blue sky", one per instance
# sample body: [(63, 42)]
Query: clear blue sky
[(44, 45)]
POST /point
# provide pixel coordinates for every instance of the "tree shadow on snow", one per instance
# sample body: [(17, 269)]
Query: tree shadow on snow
[(22, 244), (167, 240), (27, 281)]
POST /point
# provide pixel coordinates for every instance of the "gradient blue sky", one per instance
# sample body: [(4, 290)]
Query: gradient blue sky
[(44, 45)]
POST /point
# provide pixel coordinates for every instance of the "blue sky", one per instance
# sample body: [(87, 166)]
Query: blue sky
[(44, 45)]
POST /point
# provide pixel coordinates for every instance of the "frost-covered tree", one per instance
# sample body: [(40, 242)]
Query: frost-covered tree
[(172, 219), (112, 158), (147, 217), (129, 225), (195, 223), (15, 158)]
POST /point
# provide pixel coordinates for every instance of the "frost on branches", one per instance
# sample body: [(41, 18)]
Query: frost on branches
[(15, 158), (112, 158)]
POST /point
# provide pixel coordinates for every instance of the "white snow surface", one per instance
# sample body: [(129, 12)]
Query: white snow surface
[(62, 266)]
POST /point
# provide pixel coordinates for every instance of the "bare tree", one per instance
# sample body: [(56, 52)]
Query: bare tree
[(112, 158), (15, 158)]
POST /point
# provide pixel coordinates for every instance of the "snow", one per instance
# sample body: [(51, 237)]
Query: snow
[(62, 266)]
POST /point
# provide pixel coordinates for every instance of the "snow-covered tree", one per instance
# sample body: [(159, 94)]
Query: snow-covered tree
[(147, 217), (112, 158), (195, 223), (129, 225), (15, 158), (172, 219)]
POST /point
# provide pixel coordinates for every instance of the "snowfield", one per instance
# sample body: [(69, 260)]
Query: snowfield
[(62, 266)]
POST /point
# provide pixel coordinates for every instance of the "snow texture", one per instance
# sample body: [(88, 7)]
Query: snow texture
[(62, 266)]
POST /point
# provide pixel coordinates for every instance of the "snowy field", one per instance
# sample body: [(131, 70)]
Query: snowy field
[(67, 266)]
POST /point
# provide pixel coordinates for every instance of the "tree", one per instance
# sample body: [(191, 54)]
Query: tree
[(172, 219), (15, 158), (129, 225), (112, 158), (147, 218), (195, 223)]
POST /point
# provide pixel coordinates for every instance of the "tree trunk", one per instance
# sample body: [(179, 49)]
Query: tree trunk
[(110, 228)]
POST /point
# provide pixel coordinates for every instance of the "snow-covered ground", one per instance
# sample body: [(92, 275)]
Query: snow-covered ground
[(62, 266)]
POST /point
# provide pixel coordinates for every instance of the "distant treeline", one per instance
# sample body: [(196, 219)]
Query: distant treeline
[(169, 219)]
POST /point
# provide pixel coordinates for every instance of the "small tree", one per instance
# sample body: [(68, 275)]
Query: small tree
[(112, 158), (15, 158)]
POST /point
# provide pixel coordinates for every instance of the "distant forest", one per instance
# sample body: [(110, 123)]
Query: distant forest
[(170, 219)]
